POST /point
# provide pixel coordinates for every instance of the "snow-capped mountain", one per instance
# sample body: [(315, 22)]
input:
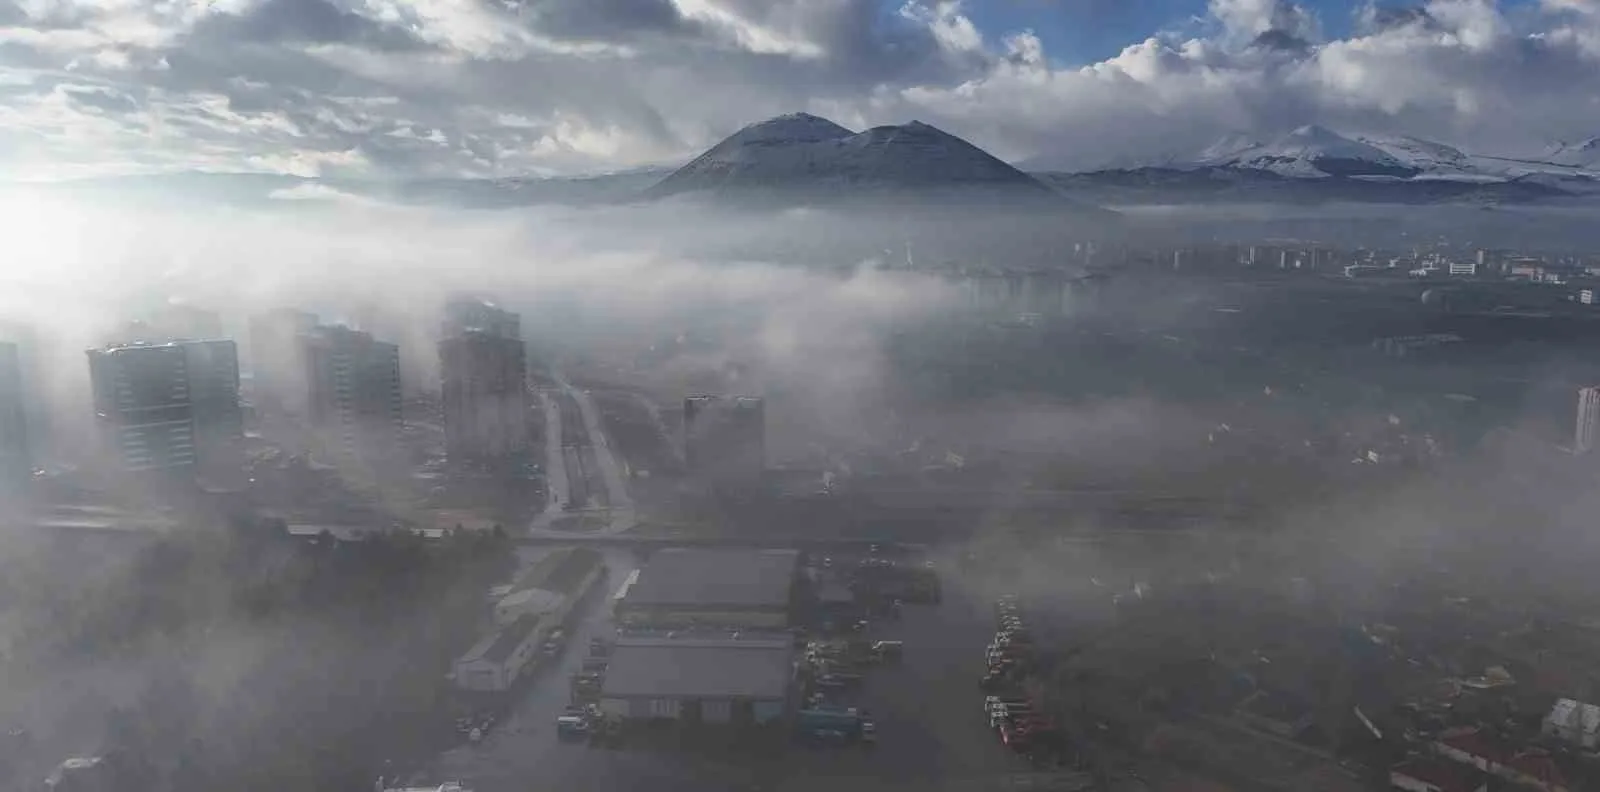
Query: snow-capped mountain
[(1583, 154), (1315, 163), (1424, 156), (1310, 152), (802, 153)]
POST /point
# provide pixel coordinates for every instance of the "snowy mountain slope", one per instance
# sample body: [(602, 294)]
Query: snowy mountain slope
[(1226, 148), (1430, 160), (801, 152), (1584, 154), (1318, 164), (1315, 164), (1311, 152)]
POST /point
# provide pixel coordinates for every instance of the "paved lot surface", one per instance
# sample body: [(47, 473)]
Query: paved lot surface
[(928, 708)]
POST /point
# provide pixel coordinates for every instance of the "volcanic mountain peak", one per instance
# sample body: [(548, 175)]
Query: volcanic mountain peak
[(803, 153)]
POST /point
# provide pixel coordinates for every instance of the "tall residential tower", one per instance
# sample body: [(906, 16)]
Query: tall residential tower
[(724, 437), (16, 457), (484, 382), (1585, 437), (171, 406), (353, 392)]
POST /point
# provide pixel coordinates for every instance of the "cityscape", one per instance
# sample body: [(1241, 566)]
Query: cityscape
[(737, 396), (655, 556)]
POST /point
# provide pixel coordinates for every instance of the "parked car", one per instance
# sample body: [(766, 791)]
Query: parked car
[(572, 726)]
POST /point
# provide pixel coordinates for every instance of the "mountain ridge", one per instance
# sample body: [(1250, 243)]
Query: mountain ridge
[(806, 156), (1314, 163)]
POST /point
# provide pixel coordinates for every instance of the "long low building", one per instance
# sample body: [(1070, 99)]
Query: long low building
[(554, 583), (733, 681), (499, 659), (725, 588), (541, 602)]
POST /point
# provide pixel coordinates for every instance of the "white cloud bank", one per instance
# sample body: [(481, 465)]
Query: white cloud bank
[(425, 87)]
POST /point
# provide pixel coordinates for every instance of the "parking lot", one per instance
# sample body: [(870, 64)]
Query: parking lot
[(932, 731)]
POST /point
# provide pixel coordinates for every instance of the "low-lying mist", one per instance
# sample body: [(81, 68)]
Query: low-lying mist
[(815, 310)]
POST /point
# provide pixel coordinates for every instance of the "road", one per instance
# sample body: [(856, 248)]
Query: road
[(556, 485), (584, 472), (611, 474)]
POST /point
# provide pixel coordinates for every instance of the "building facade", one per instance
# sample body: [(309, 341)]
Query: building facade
[(465, 314), (740, 682), (278, 367), (484, 384), (16, 458), (171, 406), (213, 371), (1574, 723), (724, 437), (1584, 437), (353, 383)]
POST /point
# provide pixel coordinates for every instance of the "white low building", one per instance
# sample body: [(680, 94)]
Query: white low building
[(527, 602), (1574, 723), (495, 663), (539, 604)]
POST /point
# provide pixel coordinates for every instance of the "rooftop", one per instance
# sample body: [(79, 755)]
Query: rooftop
[(688, 668), (561, 571), (751, 578), (533, 599), (1575, 714), (1445, 776), (497, 646)]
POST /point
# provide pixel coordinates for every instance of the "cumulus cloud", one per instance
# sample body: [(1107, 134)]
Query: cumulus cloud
[(1461, 71), (516, 87)]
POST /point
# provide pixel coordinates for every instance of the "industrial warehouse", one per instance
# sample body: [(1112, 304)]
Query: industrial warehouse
[(733, 681), (752, 589), (526, 618)]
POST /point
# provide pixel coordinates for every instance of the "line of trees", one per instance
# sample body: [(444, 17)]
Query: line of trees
[(271, 663)]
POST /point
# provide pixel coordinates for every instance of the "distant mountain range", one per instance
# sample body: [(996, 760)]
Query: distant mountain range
[(1314, 163), (802, 158)]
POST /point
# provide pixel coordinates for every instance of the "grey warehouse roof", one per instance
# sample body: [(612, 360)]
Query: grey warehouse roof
[(686, 668), (748, 578)]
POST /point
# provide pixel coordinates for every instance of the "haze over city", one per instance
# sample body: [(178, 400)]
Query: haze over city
[(755, 394)]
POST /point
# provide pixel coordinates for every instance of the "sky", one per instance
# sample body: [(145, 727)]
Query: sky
[(495, 88)]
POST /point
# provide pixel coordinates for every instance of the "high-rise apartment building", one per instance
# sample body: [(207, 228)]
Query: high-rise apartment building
[(171, 406), (464, 314), (213, 369), (353, 391), (484, 373), (16, 458), (33, 371), (278, 369), (724, 438), (174, 322), (1588, 430)]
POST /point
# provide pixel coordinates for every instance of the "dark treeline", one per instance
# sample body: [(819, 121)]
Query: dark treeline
[(267, 663)]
